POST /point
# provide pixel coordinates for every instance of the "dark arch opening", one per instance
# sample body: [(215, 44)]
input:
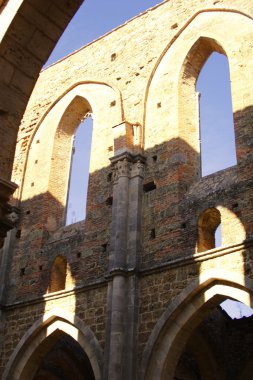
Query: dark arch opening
[(217, 137), (219, 348), (60, 357)]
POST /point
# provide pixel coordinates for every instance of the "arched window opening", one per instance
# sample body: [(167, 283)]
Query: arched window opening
[(208, 223), (58, 274), (79, 172), (217, 138)]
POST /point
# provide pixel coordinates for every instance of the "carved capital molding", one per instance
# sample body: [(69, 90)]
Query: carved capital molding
[(138, 168), (121, 168), (127, 165)]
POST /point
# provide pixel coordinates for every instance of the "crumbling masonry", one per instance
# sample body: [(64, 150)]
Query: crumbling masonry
[(133, 291)]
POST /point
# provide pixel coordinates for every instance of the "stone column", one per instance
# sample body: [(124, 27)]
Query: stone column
[(128, 170)]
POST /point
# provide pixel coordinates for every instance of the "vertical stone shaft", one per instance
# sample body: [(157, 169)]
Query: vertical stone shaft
[(122, 266), (133, 249), (117, 269)]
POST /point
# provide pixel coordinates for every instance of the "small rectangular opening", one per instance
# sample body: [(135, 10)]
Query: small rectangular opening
[(109, 201), (152, 235), (150, 186)]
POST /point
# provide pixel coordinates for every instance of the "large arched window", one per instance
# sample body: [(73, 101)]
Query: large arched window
[(206, 53), (69, 172), (79, 172), (217, 136)]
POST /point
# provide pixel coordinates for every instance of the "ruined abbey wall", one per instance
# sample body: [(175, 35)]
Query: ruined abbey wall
[(136, 281)]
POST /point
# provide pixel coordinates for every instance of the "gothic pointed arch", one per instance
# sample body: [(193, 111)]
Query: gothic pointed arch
[(47, 340), (181, 317)]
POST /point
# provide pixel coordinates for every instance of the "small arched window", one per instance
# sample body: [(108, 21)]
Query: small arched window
[(58, 274), (217, 137), (208, 223)]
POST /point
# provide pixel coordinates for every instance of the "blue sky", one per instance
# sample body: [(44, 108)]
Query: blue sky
[(216, 115), (94, 19)]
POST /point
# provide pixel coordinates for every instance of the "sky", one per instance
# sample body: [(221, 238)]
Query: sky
[(94, 19), (216, 120)]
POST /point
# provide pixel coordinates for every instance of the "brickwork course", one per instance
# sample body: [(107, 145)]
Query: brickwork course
[(133, 291)]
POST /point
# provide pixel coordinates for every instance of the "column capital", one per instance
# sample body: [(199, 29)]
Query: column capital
[(128, 165)]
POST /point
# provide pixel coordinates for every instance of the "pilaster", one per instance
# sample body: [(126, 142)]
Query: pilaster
[(128, 171)]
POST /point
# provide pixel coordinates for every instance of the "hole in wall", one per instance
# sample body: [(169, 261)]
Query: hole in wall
[(150, 186), (104, 247), (109, 201), (152, 234), (18, 234)]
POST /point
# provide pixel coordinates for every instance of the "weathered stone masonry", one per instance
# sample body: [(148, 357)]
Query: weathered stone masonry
[(132, 283)]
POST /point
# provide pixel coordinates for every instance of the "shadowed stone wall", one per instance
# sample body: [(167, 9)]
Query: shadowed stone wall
[(136, 283)]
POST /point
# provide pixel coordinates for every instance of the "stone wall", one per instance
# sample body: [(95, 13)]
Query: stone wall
[(133, 265)]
